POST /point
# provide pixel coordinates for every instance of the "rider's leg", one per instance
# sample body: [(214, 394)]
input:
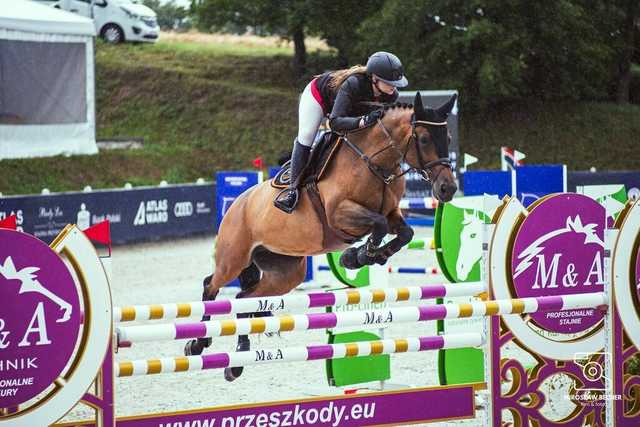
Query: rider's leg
[(310, 116)]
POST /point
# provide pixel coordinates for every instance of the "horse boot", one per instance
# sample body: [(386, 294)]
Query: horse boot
[(231, 374), (287, 199), (196, 347)]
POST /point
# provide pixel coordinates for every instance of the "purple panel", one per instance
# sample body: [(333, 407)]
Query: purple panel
[(217, 307), (217, 360), (321, 299), (391, 408), (559, 250), (317, 352), (190, 330), (432, 312), (434, 291), (322, 320), (40, 315), (638, 273)]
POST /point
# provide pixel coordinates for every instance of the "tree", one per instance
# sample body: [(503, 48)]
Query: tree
[(170, 15), (337, 22), (496, 51), (630, 47), (285, 18)]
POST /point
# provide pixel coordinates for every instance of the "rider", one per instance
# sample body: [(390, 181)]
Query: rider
[(340, 94)]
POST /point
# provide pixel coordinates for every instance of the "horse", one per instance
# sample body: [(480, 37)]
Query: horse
[(358, 194)]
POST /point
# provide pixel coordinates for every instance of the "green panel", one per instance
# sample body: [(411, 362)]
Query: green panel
[(438, 230), (357, 370), (457, 222), (460, 366), (361, 278)]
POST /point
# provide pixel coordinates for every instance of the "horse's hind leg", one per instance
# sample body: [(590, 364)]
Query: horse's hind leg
[(280, 274), (231, 262), (248, 278)]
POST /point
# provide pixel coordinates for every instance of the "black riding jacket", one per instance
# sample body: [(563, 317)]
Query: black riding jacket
[(345, 105)]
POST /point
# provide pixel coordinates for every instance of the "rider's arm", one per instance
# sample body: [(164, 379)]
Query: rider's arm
[(339, 119)]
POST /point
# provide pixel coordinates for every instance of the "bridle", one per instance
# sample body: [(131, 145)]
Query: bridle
[(424, 169)]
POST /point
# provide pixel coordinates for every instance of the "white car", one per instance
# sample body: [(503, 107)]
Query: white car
[(117, 20)]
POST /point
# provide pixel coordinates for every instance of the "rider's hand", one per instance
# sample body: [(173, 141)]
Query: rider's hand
[(371, 118)]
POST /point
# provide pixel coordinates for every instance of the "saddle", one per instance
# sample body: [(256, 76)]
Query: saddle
[(321, 156)]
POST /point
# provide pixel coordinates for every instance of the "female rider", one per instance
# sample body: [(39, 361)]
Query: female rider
[(341, 95)]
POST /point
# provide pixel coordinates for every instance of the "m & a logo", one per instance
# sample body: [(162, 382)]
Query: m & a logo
[(559, 250), (547, 270)]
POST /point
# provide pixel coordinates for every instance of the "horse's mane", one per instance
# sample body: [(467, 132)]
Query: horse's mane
[(394, 105)]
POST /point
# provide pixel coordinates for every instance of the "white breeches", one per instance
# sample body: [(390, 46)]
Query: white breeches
[(310, 116)]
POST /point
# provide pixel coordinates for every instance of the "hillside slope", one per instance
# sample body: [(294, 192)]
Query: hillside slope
[(202, 108)]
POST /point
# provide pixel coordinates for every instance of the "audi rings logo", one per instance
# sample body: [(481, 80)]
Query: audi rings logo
[(182, 209)]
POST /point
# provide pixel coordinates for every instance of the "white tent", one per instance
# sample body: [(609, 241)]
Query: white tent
[(47, 96)]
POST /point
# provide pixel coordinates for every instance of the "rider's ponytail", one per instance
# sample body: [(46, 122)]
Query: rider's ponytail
[(338, 77)]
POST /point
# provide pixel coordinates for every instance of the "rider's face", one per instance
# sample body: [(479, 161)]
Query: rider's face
[(381, 86)]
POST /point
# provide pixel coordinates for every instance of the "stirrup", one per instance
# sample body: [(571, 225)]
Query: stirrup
[(281, 205)]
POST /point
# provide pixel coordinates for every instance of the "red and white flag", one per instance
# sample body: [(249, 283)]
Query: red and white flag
[(510, 158)]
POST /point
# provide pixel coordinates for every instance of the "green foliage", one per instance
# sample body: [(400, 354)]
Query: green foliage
[(337, 22), (170, 15), (264, 17), (497, 51)]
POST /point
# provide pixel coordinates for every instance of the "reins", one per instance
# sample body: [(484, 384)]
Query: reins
[(388, 176)]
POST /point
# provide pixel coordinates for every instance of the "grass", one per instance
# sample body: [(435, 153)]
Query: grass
[(207, 104)]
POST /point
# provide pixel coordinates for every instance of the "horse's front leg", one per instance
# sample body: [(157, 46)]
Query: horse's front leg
[(403, 232), (356, 219)]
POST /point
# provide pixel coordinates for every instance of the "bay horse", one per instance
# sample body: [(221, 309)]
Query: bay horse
[(358, 194)]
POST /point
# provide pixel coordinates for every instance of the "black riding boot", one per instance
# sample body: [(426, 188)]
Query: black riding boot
[(287, 199)]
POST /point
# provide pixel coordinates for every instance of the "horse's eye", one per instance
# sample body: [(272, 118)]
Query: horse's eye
[(473, 235)]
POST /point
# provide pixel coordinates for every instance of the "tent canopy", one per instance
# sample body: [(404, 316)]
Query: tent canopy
[(47, 104), (25, 15)]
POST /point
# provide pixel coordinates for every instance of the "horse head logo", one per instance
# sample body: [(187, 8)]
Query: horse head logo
[(29, 283), (572, 225), (470, 244)]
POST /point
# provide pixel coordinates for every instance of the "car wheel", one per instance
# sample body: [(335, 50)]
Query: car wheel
[(113, 34)]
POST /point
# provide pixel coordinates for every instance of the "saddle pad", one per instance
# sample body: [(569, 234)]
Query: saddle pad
[(320, 158)]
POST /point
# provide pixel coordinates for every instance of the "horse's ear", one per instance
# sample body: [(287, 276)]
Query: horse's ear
[(446, 108), (417, 104)]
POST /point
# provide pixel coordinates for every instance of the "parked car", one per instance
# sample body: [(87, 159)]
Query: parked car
[(117, 20)]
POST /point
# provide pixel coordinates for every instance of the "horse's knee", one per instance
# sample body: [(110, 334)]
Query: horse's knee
[(405, 234)]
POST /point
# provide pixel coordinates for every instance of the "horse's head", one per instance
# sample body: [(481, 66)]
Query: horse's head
[(431, 154)]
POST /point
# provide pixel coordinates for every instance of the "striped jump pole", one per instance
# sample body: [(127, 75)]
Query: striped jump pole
[(419, 203), (294, 302), (295, 354), (414, 270), (300, 322)]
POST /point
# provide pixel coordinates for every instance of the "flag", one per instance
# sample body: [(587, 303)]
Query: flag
[(101, 233), (9, 222), (258, 163), (510, 158), (467, 160)]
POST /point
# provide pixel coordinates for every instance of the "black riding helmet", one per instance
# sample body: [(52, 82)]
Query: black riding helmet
[(388, 68)]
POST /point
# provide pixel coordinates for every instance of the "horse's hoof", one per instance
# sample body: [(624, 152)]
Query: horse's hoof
[(193, 348), (231, 374), (363, 258), (381, 259), (349, 259)]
